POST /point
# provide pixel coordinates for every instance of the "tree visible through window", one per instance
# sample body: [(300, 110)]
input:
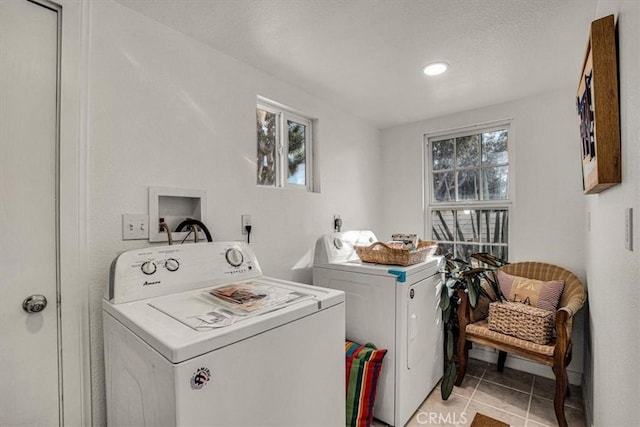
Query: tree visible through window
[(284, 147), (469, 192), (297, 153), (267, 140)]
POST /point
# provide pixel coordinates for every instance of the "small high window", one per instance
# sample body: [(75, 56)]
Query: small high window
[(284, 147)]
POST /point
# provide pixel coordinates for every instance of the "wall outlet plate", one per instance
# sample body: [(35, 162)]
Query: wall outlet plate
[(337, 222), (246, 220), (135, 227)]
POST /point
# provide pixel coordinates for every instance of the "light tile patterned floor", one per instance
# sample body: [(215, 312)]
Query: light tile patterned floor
[(514, 397)]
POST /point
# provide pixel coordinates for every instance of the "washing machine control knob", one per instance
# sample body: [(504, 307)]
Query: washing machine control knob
[(234, 257), (148, 267), (337, 242), (172, 264)]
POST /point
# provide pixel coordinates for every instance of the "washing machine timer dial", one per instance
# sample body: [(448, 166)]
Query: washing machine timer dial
[(148, 267), (172, 264), (234, 257), (337, 242)]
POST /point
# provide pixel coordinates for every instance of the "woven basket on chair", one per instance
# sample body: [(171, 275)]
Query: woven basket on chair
[(522, 321)]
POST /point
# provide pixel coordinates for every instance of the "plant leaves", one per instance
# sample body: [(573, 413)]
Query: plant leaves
[(474, 272), (450, 265), (489, 259), (473, 294), (446, 315), (448, 379), (481, 289), (495, 286), (449, 345), (445, 301)]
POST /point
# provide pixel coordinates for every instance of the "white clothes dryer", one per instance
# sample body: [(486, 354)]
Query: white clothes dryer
[(264, 352), (394, 308)]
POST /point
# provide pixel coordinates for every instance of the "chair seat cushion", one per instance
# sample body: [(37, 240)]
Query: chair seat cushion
[(481, 329)]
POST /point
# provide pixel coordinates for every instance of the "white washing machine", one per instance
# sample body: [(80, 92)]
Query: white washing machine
[(263, 352), (392, 307)]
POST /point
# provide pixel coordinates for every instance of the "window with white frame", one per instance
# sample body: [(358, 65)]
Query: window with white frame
[(468, 191), (284, 147)]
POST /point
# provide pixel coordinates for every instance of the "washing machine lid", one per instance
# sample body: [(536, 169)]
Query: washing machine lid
[(170, 323)]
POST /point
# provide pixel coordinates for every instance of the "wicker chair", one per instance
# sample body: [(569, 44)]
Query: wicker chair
[(556, 354)]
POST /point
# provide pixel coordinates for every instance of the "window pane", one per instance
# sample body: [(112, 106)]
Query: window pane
[(494, 148), (494, 226), (442, 225), (442, 154), (468, 188), (443, 187), (496, 183), (297, 156), (468, 226), (468, 151), (465, 251), (266, 159), (445, 248), (471, 230)]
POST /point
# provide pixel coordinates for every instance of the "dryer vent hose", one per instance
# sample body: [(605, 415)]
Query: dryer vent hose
[(190, 222)]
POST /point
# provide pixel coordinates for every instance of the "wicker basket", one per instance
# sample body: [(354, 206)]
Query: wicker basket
[(380, 253), (522, 321)]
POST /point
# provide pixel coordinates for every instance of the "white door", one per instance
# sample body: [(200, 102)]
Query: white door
[(29, 360)]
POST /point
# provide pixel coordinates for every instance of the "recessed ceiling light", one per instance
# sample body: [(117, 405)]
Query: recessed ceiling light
[(435, 68)]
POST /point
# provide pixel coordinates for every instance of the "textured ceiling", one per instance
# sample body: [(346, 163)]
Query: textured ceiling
[(366, 56)]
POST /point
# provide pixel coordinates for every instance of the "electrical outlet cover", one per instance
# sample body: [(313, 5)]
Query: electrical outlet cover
[(246, 220)]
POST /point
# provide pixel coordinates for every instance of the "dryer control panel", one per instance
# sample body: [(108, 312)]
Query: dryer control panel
[(338, 247), (160, 270)]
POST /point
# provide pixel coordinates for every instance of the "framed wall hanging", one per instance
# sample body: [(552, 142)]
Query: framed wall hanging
[(598, 109)]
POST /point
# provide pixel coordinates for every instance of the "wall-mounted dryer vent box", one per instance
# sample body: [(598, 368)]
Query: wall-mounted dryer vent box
[(174, 205)]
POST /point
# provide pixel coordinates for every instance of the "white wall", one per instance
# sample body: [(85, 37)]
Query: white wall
[(165, 110), (612, 372), (548, 216), (547, 221)]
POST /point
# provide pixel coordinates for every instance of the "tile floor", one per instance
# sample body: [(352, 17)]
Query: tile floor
[(514, 397)]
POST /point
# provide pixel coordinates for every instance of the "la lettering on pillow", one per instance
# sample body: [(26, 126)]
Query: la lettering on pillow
[(536, 293)]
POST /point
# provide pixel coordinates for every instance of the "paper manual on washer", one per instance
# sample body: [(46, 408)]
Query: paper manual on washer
[(250, 297), (223, 306)]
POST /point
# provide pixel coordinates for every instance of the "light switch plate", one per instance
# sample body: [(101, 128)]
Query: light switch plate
[(628, 228), (135, 226)]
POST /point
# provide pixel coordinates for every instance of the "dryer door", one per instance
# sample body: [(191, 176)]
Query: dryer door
[(424, 325), (421, 367)]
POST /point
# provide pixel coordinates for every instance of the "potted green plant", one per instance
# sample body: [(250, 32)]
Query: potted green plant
[(460, 274)]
